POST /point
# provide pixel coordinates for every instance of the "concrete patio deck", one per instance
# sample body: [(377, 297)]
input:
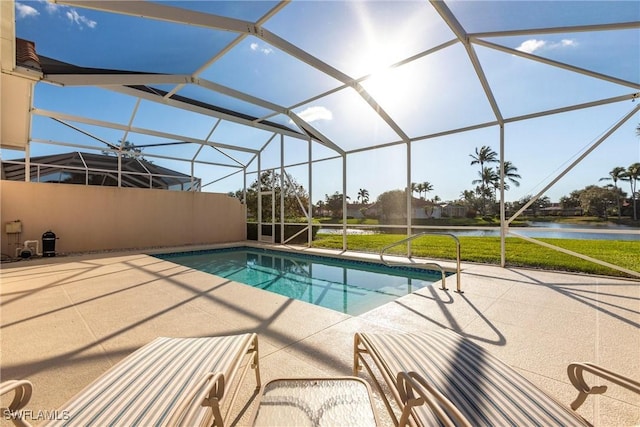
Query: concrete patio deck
[(66, 320)]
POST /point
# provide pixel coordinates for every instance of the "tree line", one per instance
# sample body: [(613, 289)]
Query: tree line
[(481, 200)]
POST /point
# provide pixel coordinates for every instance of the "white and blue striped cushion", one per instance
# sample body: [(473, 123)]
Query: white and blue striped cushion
[(145, 388), (486, 390)]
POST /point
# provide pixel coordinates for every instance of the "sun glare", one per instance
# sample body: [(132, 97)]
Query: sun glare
[(389, 87)]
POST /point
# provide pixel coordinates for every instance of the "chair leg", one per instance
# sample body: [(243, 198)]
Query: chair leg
[(22, 394), (218, 420), (356, 355), (256, 362)]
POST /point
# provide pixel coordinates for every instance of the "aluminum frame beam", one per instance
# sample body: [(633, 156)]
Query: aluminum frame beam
[(114, 79), (457, 28), (557, 64), (204, 111), (558, 30), (110, 125), (215, 22), (160, 12), (157, 156)]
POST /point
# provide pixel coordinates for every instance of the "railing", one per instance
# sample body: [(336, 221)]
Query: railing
[(410, 238)]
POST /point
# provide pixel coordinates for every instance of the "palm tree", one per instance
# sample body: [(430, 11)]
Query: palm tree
[(615, 174), (415, 188), (483, 155), (488, 179), (363, 195), (511, 174), (632, 174), (425, 187)]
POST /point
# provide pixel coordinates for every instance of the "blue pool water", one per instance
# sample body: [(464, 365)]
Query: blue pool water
[(351, 287)]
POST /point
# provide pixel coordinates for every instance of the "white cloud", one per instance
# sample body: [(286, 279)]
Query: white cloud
[(81, 20), (257, 48), (533, 45), (313, 114), (25, 11), (52, 7)]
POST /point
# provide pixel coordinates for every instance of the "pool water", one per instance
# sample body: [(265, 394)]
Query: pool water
[(351, 287)]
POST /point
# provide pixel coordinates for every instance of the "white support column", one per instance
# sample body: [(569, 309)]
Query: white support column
[(259, 193), (119, 154), (409, 197), (244, 191), (27, 162), (503, 224), (344, 202), (193, 171), (273, 211), (310, 202), (282, 182), (193, 167), (27, 146)]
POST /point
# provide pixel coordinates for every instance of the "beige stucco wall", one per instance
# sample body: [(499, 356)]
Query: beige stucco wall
[(89, 218)]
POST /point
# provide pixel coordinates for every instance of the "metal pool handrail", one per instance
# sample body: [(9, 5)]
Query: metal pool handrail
[(412, 237)]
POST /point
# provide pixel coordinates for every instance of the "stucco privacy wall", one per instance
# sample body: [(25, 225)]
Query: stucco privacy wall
[(88, 218)]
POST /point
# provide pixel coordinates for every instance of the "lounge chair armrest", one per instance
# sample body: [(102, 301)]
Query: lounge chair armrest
[(22, 390), (576, 376), (411, 384), (209, 389)]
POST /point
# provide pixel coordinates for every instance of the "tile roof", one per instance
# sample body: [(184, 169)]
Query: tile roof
[(26, 55)]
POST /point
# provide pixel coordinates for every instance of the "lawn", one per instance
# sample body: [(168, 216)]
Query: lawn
[(519, 252)]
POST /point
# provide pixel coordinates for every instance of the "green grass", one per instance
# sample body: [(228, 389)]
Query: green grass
[(519, 252)]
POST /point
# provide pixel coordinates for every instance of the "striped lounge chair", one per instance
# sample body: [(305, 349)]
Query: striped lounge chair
[(168, 382), (441, 378)]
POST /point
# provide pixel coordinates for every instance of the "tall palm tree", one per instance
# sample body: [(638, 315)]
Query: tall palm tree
[(632, 174), (483, 155), (615, 174), (426, 187), (363, 195), (489, 181), (488, 178), (511, 174), (415, 188)]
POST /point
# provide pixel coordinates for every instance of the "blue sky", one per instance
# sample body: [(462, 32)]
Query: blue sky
[(429, 95)]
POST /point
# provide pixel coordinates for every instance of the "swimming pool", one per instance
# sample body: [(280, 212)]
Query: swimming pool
[(351, 287)]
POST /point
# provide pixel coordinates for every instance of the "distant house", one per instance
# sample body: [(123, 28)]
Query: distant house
[(98, 169), (422, 209), (556, 210), (454, 210), (428, 209)]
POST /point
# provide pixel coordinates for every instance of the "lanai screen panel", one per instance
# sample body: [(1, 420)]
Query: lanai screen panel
[(349, 76)]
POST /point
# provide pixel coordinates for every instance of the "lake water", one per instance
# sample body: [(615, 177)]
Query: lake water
[(552, 230)]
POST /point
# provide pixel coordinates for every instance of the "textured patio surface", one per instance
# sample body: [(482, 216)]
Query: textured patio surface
[(66, 320)]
